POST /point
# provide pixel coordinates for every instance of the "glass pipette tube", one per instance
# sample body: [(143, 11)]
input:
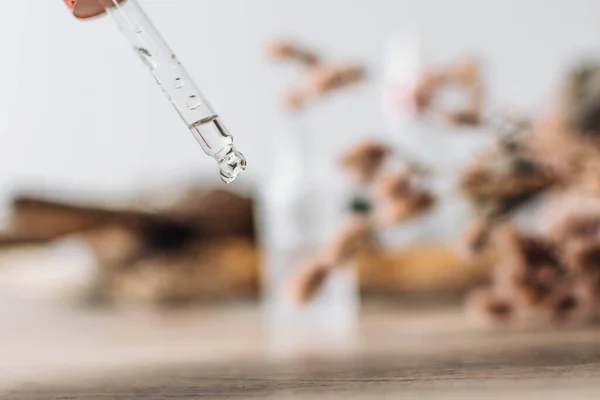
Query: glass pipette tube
[(178, 86)]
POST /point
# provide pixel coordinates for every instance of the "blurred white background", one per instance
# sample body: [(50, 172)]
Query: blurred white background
[(79, 111)]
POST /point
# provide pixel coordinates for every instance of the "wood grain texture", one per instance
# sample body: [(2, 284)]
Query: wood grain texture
[(412, 353), (550, 374)]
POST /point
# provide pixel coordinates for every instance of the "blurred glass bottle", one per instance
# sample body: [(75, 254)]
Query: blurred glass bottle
[(301, 206)]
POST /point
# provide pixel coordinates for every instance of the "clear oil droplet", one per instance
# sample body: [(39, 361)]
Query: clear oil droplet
[(231, 164), (178, 84)]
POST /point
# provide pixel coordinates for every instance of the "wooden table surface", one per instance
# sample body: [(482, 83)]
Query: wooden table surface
[(420, 354)]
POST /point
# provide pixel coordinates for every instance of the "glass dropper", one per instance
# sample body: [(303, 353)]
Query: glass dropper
[(178, 86)]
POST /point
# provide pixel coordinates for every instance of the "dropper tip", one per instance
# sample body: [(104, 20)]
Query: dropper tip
[(231, 164)]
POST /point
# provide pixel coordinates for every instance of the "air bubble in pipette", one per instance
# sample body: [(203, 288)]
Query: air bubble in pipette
[(193, 102), (147, 58)]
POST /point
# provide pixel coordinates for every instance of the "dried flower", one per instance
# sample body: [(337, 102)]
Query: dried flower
[(353, 238), (395, 211), (365, 160), (475, 238), (575, 228), (320, 78), (397, 198), (466, 74), (583, 257), (529, 266), (308, 281), (468, 117), (296, 99), (393, 186), (489, 308), (327, 78), (284, 50), (503, 179), (581, 100)]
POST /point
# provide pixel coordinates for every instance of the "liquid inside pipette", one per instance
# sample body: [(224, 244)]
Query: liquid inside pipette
[(215, 139)]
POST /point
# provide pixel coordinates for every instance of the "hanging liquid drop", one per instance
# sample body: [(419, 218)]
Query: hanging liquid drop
[(216, 141), (231, 163)]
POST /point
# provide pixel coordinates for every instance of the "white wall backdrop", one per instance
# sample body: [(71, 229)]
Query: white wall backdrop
[(79, 111)]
